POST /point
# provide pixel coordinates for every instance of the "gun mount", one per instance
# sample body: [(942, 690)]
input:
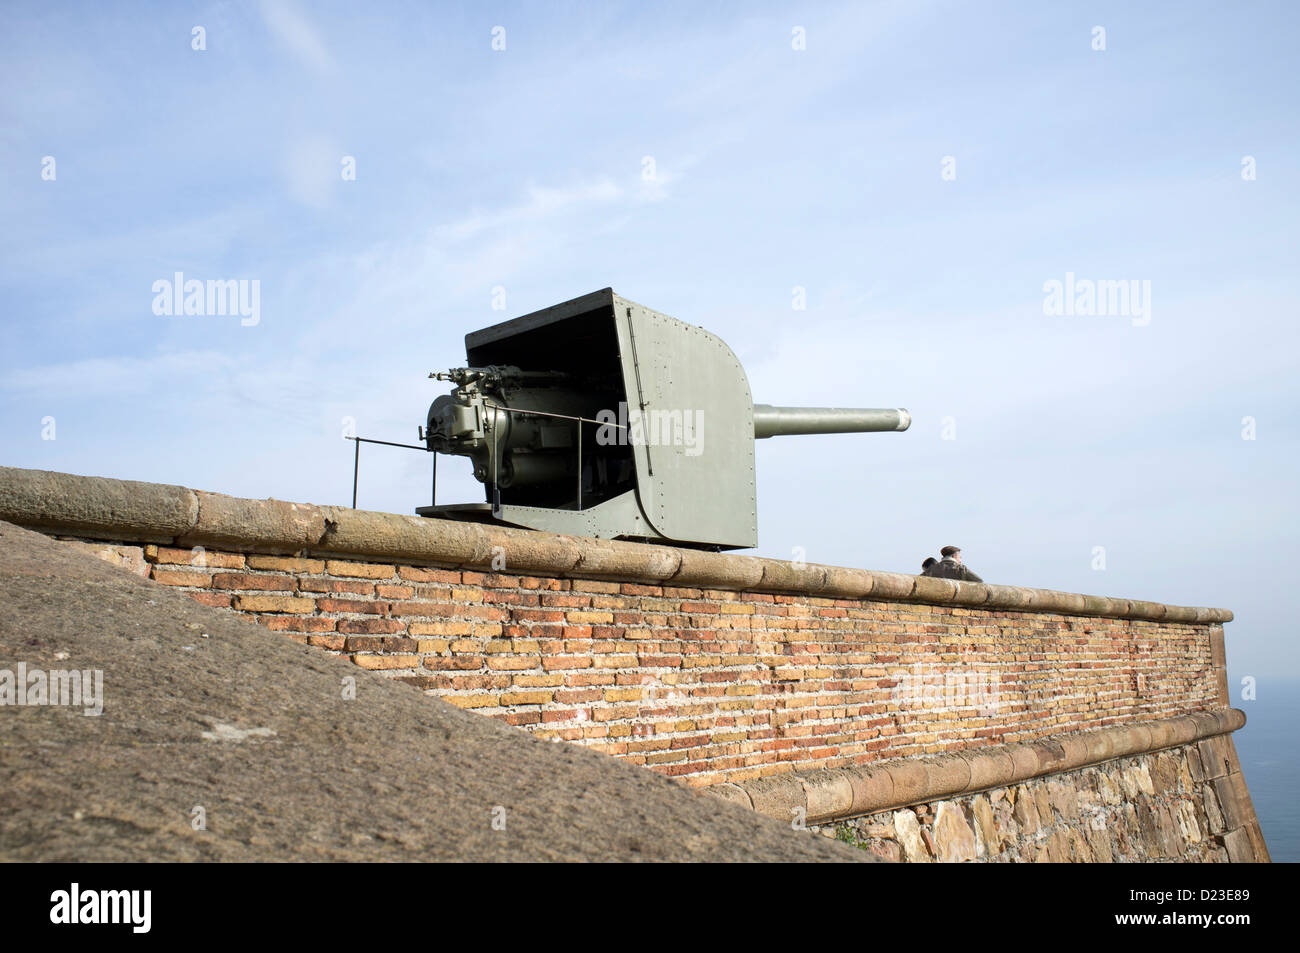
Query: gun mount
[(599, 417)]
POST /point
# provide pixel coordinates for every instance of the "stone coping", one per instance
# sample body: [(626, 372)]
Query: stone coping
[(108, 509), (835, 793)]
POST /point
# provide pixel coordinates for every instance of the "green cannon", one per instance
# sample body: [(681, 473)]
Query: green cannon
[(600, 417)]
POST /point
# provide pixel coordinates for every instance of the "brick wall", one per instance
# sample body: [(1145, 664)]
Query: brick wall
[(713, 685)]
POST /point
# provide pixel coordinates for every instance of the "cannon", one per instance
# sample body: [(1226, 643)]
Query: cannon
[(600, 417)]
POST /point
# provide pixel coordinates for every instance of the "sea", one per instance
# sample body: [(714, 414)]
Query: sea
[(1270, 760)]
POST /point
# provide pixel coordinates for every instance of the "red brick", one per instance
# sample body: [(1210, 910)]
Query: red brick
[(551, 663), (218, 599), (180, 577), (578, 696), (297, 623), (510, 597), (378, 643), (706, 607), (198, 557), (456, 663), (245, 580), (370, 626), (429, 575), (332, 642), (565, 600), (351, 605), (535, 615), (355, 586), (634, 589), (425, 609)]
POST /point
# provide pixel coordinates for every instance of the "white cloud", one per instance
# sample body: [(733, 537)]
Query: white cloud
[(293, 29), (119, 376), (543, 203)]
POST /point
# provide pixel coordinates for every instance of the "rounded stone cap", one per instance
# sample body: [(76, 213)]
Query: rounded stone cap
[(96, 506), (99, 508), (858, 790)]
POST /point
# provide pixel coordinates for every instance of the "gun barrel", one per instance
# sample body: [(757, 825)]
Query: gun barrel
[(772, 421)]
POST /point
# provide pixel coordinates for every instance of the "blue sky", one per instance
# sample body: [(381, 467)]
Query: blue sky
[(775, 168)]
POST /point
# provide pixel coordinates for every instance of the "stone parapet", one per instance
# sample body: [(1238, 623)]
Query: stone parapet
[(834, 793), (106, 509)]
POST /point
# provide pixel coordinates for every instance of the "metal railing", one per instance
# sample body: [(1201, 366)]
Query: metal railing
[(496, 501), (356, 461)]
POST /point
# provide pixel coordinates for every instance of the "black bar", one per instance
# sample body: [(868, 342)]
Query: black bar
[(389, 443), (356, 460)]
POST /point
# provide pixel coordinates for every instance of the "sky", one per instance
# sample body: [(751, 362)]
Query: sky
[(868, 202)]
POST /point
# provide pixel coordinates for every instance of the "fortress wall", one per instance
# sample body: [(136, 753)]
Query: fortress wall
[(712, 684), (1180, 804), (765, 680)]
